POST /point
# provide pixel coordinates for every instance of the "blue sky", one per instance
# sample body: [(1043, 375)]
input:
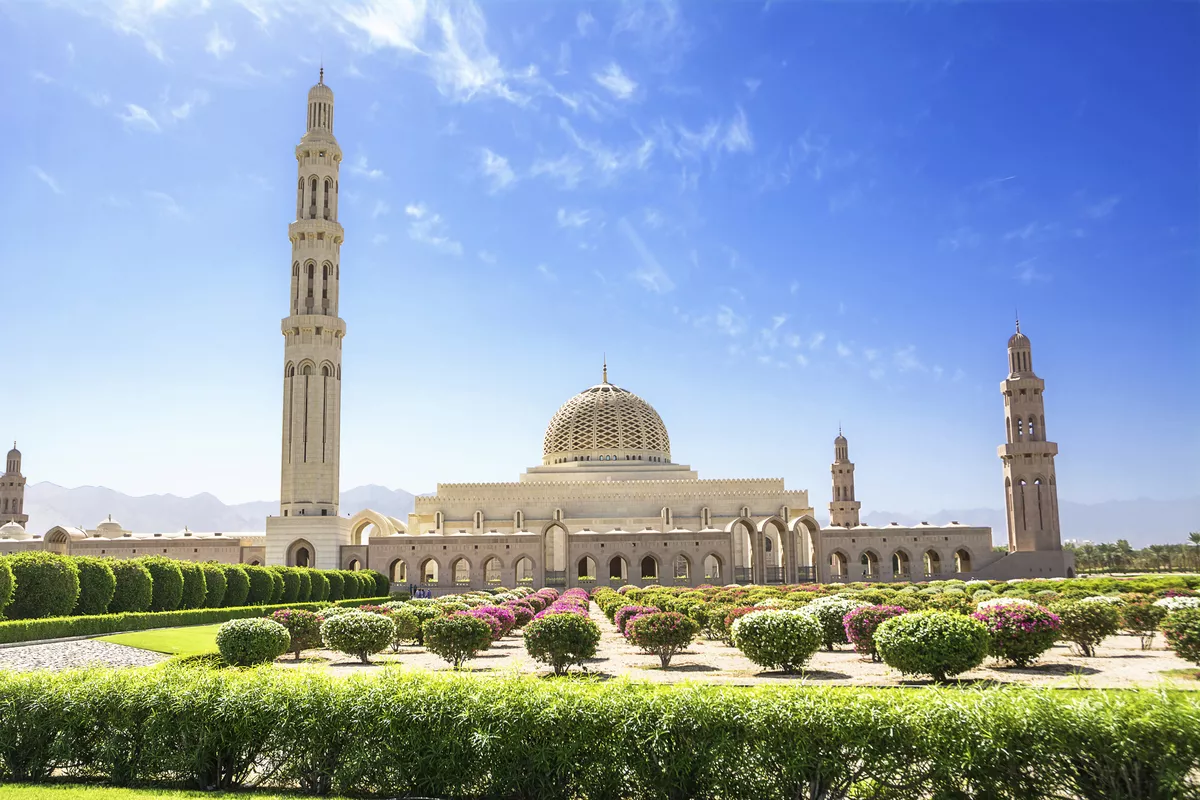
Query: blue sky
[(772, 218)]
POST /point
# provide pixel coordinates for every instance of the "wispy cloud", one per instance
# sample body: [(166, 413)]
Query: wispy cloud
[(572, 219), (184, 109), (1026, 272), (958, 239), (218, 45), (381, 208), (738, 138), (137, 118), (844, 351), (361, 168), (905, 360), (46, 179), (729, 323), (752, 84), (487, 257), (1103, 208), (496, 169), (379, 238), (166, 204), (609, 161), (614, 79), (584, 22), (650, 274), (429, 228), (815, 341), (546, 272), (566, 170)]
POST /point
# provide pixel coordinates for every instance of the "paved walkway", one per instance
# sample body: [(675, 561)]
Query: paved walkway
[(80, 653)]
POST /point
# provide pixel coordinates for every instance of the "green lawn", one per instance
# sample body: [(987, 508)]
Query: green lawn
[(66, 792), (173, 641)]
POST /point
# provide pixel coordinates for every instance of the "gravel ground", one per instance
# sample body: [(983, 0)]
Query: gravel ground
[(81, 653), (1120, 663)]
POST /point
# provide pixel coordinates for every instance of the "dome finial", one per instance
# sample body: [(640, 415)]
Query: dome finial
[(1018, 315), (321, 77), (605, 376)]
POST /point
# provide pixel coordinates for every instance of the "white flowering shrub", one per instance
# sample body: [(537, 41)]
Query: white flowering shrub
[(1111, 599), (1176, 603), (782, 639), (995, 602), (830, 612)]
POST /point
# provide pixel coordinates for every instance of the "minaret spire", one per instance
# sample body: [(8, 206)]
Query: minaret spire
[(843, 507), (605, 378)]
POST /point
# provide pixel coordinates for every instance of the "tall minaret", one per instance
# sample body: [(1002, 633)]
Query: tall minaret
[(312, 353), (12, 490), (1030, 489), (843, 510)]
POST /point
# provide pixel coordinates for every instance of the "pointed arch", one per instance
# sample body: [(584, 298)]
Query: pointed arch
[(363, 520), (301, 553)]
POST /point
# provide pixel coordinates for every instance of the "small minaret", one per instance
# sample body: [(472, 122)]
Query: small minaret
[(1030, 488), (12, 490), (313, 332), (843, 509)]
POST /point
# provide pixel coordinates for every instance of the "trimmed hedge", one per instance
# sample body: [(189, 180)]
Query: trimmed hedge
[(214, 584), (97, 585), (261, 585), (6, 585), (167, 582), (237, 585), (336, 584), (46, 585), (61, 627), (451, 736), (194, 587), (135, 587)]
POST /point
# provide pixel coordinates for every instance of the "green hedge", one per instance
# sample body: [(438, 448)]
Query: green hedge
[(61, 627), (454, 736), (46, 584), (97, 584)]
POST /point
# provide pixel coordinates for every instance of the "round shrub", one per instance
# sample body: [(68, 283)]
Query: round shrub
[(194, 587), (320, 585), (97, 584), (351, 588), (336, 585), (423, 615), (357, 633), (246, 642), (1182, 631), (955, 602), (522, 614), (784, 639), (1018, 633), (1142, 619), (291, 584), (237, 585), (406, 627), (276, 586), (861, 623), (6, 585), (663, 634), (830, 613), (934, 643), (494, 625), (168, 582), (214, 584), (134, 586), (1085, 623), (304, 627), (457, 637), (47, 585), (304, 585), (506, 618), (626, 613), (562, 640), (261, 585)]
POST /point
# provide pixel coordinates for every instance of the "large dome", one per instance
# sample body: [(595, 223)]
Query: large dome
[(606, 423)]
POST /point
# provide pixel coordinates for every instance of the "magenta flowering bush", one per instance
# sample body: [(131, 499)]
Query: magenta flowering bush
[(626, 613), (382, 610), (303, 626), (494, 625), (861, 623), (579, 593), (522, 613), (664, 634), (562, 607), (506, 617), (1019, 633)]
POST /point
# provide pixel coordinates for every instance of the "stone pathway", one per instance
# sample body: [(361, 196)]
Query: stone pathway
[(70, 655)]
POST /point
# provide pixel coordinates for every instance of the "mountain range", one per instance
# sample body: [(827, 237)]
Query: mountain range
[(1142, 521)]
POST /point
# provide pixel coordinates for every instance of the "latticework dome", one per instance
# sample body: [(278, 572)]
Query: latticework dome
[(606, 423)]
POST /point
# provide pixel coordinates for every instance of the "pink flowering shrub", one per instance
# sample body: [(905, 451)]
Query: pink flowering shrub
[(522, 614), (861, 623), (626, 613), (664, 634), (494, 625), (506, 617), (562, 607), (303, 626), (383, 610), (1019, 633)]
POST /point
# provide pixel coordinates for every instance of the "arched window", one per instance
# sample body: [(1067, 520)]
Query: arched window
[(491, 571), (767, 546), (398, 571), (524, 570), (933, 563), (683, 568), (439, 519), (519, 520), (649, 569), (429, 571), (354, 565), (299, 197), (618, 570), (837, 565), (325, 370), (586, 569), (328, 186), (705, 518), (962, 561), (666, 517), (478, 520), (1020, 429), (312, 200), (870, 564), (1008, 429), (712, 569), (462, 571), (307, 370), (900, 567)]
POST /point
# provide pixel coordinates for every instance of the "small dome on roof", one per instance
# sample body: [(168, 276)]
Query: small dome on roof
[(14, 453), (13, 530), (109, 524)]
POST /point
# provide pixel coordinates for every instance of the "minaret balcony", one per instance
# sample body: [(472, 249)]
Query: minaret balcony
[(1027, 448), (311, 227)]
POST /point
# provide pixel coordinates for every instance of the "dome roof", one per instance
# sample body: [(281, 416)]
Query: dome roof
[(12, 530), (109, 525), (1018, 339), (14, 453), (606, 419)]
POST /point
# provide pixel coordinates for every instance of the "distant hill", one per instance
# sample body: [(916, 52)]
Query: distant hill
[(1143, 522), (48, 504)]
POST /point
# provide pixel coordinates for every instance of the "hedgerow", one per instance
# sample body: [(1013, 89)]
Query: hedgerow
[(97, 584), (451, 736), (237, 585), (166, 583), (134, 587), (214, 584), (6, 585), (46, 585), (194, 587)]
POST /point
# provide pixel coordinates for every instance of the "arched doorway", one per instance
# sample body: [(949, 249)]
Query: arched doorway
[(354, 564), (586, 569), (618, 570), (838, 566), (682, 569), (429, 571), (900, 565), (962, 560), (712, 569), (554, 554), (649, 569), (870, 565), (301, 553), (524, 570), (398, 572), (775, 551), (742, 536), (491, 571), (933, 563), (461, 569)]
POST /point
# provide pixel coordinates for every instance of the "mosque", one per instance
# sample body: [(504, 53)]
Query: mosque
[(607, 505)]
